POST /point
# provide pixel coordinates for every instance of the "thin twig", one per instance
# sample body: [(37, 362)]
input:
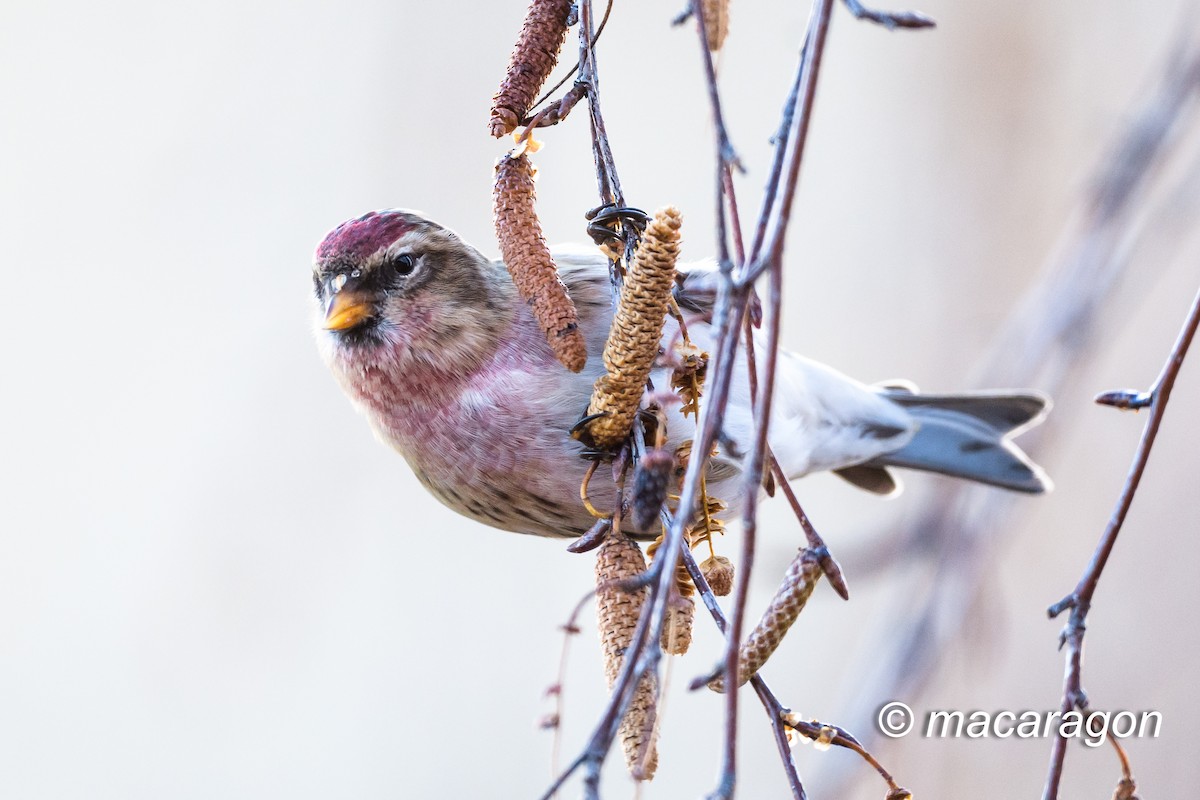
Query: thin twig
[(817, 731), (780, 140), (752, 483), (806, 79), (780, 716), (770, 703), (606, 170), (726, 160), (829, 565), (575, 68), (570, 628), (1080, 600), (889, 20), (726, 156), (644, 651)]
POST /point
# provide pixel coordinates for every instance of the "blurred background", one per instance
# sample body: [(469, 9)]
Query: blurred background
[(215, 583)]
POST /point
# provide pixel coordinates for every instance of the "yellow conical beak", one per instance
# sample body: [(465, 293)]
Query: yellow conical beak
[(348, 309)]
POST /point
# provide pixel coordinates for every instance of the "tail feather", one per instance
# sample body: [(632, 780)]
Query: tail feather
[(876, 480), (969, 436)]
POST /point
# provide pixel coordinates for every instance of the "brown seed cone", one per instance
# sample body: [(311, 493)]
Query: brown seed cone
[(651, 482), (718, 571), (716, 22), (677, 627), (637, 730), (789, 600), (681, 609), (529, 262), (533, 58), (636, 330), (617, 614)]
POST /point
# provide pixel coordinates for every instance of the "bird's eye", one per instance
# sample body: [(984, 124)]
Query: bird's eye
[(404, 264)]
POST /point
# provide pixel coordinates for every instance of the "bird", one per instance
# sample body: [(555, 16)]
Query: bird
[(430, 340)]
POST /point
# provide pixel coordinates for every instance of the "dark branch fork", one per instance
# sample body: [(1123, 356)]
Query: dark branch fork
[(1079, 601)]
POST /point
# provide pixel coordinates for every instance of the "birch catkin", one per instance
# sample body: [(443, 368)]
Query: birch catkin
[(677, 627), (636, 330), (789, 600), (529, 262), (681, 609), (716, 22), (533, 58), (617, 613)]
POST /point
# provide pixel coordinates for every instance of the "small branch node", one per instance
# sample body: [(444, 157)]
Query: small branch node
[(1125, 399), (1062, 605), (914, 20), (593, 538)]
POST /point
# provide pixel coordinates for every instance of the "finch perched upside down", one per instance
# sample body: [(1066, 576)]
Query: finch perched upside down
[(430, 340)]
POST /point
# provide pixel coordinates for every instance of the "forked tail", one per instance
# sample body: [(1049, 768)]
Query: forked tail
[(970, 436)]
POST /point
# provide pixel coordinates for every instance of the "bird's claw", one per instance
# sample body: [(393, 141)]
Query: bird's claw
[(606, 223)]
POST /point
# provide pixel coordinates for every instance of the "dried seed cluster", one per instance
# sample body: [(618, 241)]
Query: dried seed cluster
[(529, 262), (718, 571), (687, 379), (789, 600), (533, 57), (636, 330), (716, 22), (617, 613), (707, 522)]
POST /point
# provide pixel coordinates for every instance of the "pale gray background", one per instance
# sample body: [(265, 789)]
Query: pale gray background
[(214, 583)]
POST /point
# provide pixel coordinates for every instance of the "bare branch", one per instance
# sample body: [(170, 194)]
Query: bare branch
[(779, 201), (1080, 600), (774, 709)]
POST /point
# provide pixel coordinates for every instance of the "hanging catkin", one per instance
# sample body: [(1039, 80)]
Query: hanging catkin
[(789, 600), (677, 626), (681, 608), (716, 22), (533, 57), (617, 613), (529, 262), (636, 330)]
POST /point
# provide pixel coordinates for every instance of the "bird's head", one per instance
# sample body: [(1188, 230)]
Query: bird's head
[(393, 285)]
